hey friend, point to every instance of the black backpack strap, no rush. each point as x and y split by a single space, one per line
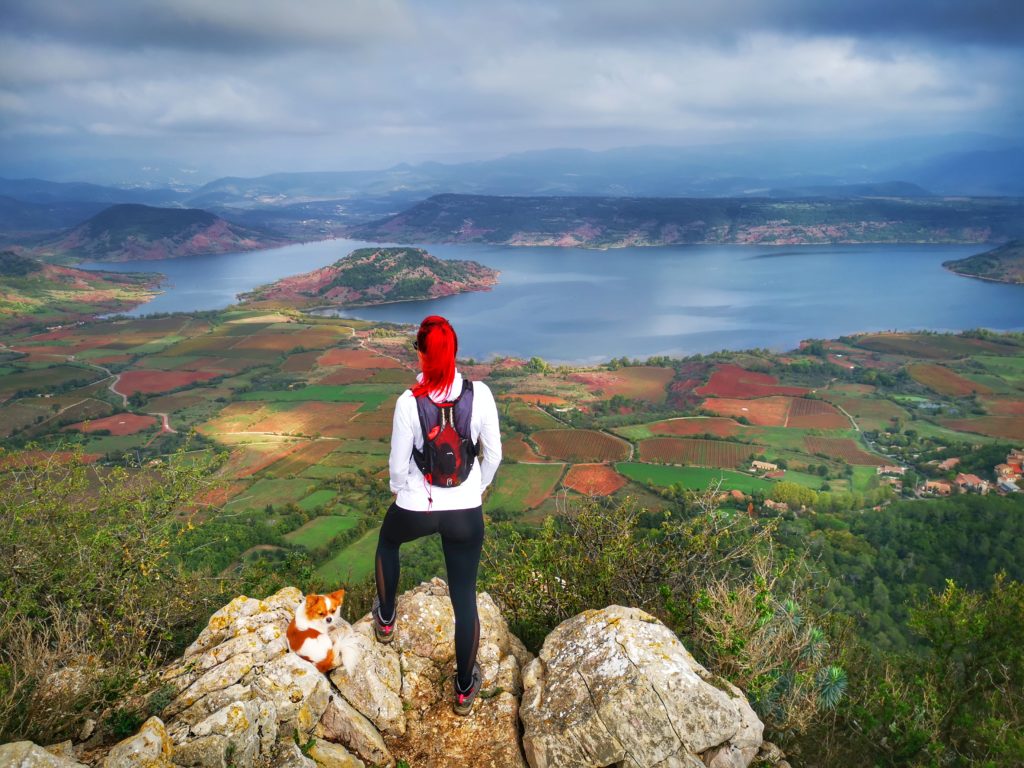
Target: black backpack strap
429 414
464 415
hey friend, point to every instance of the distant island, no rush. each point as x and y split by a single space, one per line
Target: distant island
378 276
1004 264
130 231
611 222
33 293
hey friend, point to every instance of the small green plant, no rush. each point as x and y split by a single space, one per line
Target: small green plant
124 722
305 747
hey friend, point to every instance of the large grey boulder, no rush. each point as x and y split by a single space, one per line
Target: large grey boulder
616 687
25 754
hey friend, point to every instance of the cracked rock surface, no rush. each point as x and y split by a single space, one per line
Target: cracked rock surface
615 687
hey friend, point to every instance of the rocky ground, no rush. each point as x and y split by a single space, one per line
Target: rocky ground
609 688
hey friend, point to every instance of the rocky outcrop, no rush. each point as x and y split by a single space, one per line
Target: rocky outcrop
616 687
610 688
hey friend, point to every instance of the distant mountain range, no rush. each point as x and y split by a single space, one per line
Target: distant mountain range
130 231
603 222
956 165
1004 264
377 276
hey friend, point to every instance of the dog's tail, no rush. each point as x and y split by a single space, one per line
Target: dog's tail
347 648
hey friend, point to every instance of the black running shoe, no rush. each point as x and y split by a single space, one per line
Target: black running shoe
383 631
463 702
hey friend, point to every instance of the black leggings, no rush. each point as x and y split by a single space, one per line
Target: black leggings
462 536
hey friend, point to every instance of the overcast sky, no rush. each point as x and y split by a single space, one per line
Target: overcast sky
202 88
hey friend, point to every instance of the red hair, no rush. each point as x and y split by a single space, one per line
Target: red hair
437 345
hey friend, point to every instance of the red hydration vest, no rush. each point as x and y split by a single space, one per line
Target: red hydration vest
448 449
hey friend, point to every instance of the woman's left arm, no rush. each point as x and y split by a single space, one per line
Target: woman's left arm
490 433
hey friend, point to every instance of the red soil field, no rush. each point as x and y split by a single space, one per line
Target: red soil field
699 453
856 389
815 414
158 381
762 412
841 448
301 362
119 424
580 445
733 381
107 359
1009 427
356 358
219 496
536 399
698 425
1004 407
640 382
593 479
517 449
370 426
247 461
944 381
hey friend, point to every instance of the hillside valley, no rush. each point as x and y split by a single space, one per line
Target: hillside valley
139 232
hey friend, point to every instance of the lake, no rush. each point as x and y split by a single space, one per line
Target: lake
578 305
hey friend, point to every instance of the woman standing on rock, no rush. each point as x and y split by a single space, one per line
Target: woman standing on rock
445 449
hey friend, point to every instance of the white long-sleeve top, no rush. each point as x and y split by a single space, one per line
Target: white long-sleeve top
412 489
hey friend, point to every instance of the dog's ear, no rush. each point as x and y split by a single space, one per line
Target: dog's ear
311 601
339 596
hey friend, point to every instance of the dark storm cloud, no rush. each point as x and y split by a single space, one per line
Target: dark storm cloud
209 25
248 86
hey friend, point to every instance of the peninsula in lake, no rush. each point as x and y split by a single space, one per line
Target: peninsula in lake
610 222
1004 264
370 276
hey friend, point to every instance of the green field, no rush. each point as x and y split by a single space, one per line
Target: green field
807 480
371 396
864 478
1010 368
352 564
317 499
321 529
697 478
519 487
270 491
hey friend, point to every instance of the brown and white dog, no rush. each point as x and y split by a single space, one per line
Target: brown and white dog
319 635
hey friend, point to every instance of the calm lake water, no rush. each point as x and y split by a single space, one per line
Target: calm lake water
577 305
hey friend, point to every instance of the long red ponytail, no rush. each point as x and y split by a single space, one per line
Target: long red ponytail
438 345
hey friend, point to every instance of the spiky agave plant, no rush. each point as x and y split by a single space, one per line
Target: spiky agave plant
832 683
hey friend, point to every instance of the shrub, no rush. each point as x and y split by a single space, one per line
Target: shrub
710 577
92 596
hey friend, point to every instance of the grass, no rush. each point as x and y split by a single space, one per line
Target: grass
354 563
519 487
697 478
803 478
270 491
369 395
317 499
863 478
321 529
